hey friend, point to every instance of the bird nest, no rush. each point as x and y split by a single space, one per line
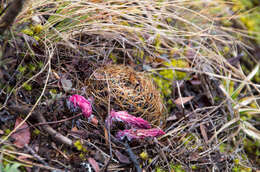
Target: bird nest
123 88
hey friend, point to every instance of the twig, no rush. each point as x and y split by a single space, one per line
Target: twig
108 109
133 157
104 168
35 155
40 118
52 122
37 101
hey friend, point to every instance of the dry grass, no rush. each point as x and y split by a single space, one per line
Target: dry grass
127 90
144 34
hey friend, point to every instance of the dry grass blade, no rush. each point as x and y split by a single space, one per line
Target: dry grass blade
250 130
115 51
226 125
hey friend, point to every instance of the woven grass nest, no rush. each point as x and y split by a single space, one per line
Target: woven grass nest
128 90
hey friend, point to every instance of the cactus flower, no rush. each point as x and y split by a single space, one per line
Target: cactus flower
130 120
82 103
138 134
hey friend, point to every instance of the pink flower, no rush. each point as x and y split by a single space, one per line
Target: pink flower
139 133
82 103
130 120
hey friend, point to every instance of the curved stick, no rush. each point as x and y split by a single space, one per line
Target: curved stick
40 118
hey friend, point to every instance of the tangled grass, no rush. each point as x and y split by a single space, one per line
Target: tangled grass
205 133
126 89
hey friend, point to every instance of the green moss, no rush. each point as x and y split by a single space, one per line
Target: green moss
7 131
32 67
251 16
239 168
36 131
223 147
169 75
22 69
27 87
40 65
194 167
28 32
37 38
226 49
9 89
79 146
177 75
10 167
124 23
189 141
236 161
252 148
37 28
177 167
82 156
158 169
113 57
144 155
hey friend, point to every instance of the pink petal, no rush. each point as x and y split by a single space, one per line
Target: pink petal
82 103
139 133
132 121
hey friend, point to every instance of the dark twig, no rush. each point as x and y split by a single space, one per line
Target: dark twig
133 157
35 155
106 164
12 11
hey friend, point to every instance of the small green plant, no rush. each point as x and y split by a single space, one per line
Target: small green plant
158 169
246 106
10 167
177 167
27 87
246 109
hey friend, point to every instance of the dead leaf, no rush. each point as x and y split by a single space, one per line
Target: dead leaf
122 158
22 136
203 132
106 135
55 75
183 100
74 129
94 164
66 84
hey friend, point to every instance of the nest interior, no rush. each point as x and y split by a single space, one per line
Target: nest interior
127 90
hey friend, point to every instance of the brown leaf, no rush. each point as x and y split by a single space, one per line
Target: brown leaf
22 136
106 135
203 132
74 129
94 164
122 158
183 100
